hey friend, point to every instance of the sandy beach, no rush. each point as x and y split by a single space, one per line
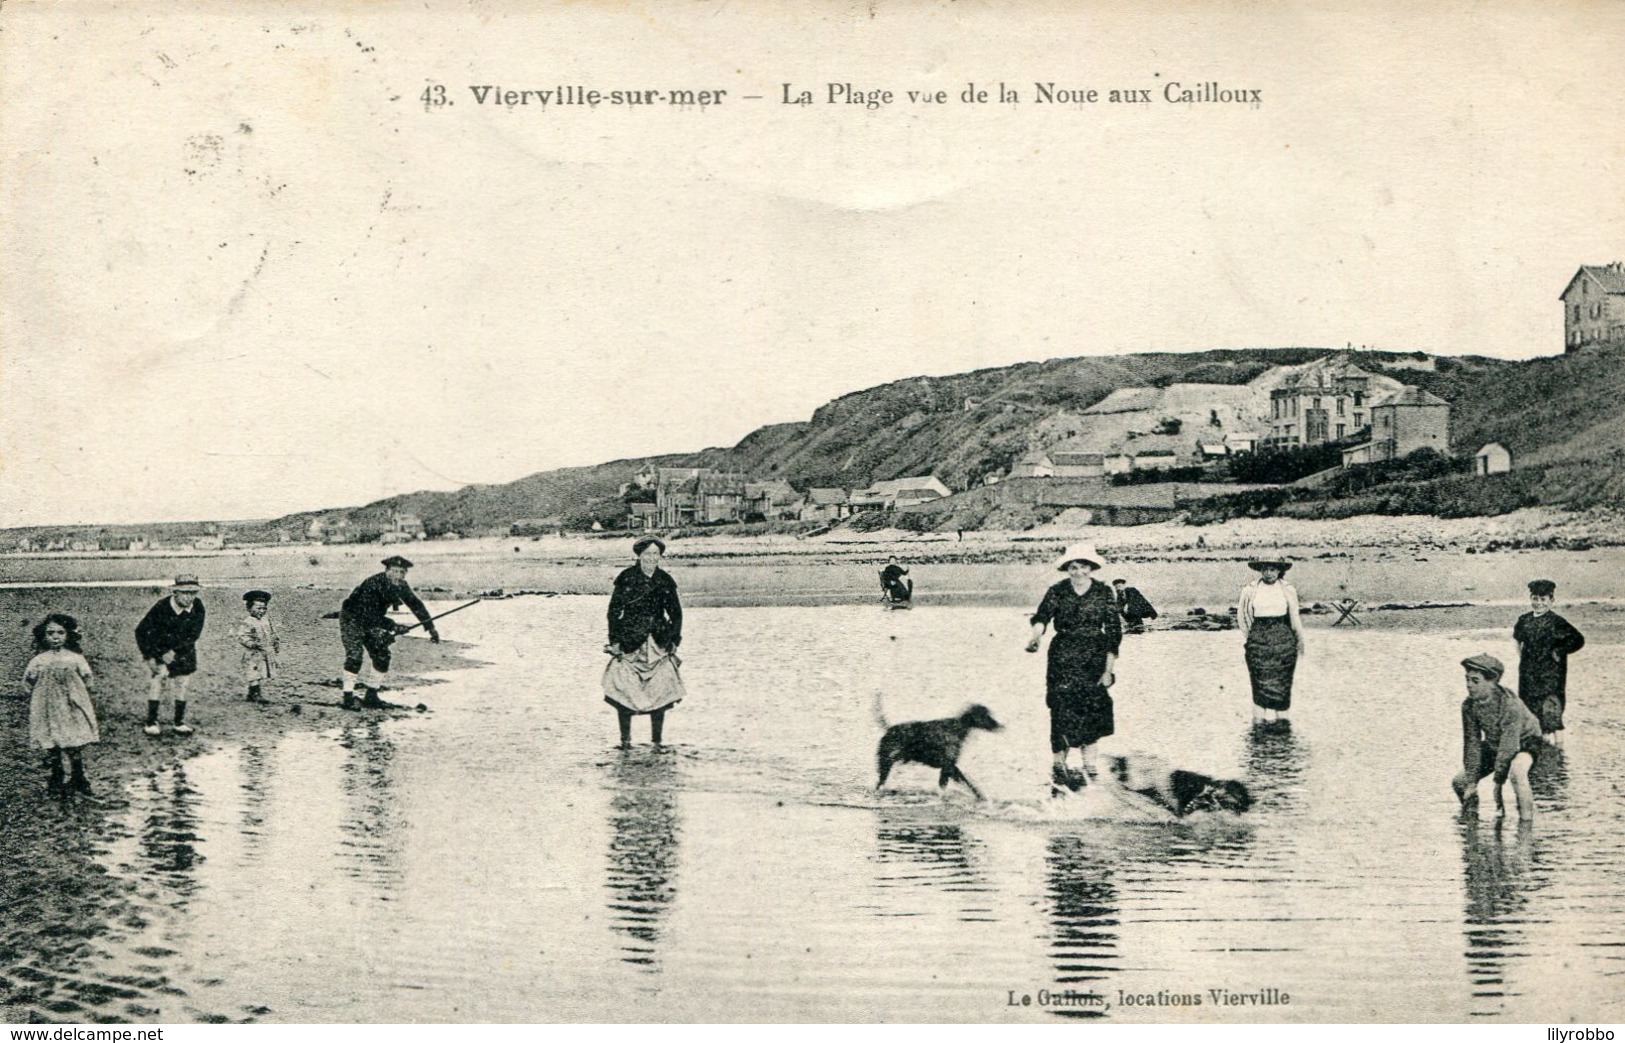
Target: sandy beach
57 848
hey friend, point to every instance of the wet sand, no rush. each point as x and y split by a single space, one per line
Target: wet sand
54 853
48 846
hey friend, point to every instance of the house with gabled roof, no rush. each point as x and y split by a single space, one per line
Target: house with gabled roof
1594 307
1402 423
690 496
826 505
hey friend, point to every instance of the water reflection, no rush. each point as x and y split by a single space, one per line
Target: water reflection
934 855
1549 780
642 867
1275 766
252 765
1500 882
373 824
1085 920
168 847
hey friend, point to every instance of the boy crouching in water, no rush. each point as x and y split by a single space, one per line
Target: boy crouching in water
1499 737
260 644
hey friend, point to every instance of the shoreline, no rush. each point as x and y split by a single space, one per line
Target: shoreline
58 893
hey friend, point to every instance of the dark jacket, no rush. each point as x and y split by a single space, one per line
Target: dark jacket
1087 629
1134 606
163 629
1541 676
643 607
1501 723
370 603
892 582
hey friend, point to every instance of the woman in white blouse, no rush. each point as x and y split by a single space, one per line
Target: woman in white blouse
1273 635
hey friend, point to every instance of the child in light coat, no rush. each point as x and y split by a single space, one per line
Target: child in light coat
260 643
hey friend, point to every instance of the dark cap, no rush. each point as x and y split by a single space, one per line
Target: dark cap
1486 664
395 561
646 542
1542 588
257 595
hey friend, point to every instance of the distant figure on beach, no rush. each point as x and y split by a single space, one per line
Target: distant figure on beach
61 717
167 637
1272 635
1132 606
895 585
258 637
1499 737
1082 655
645 628
365 627
1545 642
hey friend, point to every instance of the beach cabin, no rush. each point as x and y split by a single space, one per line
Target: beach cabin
1492 459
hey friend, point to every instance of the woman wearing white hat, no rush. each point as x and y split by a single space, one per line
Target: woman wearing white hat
1088 631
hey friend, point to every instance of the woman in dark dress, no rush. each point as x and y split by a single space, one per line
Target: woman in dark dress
1088 631
645 628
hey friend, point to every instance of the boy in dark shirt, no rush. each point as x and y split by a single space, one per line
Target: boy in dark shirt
365 627
167 637
1545 642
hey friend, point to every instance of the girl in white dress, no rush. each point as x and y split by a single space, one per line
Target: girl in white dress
61 718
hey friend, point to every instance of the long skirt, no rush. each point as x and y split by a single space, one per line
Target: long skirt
1272 656
1080 707
643 681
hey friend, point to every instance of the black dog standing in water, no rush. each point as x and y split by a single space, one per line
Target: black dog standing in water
936 744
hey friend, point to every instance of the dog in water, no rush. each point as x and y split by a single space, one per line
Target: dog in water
936 744
1179 791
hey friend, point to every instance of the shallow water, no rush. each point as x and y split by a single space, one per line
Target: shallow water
497 860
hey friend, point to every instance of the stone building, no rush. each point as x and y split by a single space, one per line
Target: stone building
1324 403
1401 424
1594 307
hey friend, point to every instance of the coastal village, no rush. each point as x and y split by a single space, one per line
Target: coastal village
1138 455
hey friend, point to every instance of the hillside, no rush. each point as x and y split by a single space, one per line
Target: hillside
1563 418
1551 412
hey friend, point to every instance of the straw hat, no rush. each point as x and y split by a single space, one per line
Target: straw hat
646 542
1278 566
1080 552
186 583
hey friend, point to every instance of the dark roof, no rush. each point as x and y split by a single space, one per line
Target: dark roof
1611 277
1412 396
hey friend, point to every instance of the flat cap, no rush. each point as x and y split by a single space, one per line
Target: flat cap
1485 664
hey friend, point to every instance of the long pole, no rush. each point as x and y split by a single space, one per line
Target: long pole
444 614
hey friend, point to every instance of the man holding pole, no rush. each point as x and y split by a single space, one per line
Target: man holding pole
365 626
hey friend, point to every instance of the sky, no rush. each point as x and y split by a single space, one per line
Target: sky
246 271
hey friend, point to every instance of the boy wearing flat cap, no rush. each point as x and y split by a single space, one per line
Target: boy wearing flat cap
167 637
1545 642
1499 737
365 626
260 643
